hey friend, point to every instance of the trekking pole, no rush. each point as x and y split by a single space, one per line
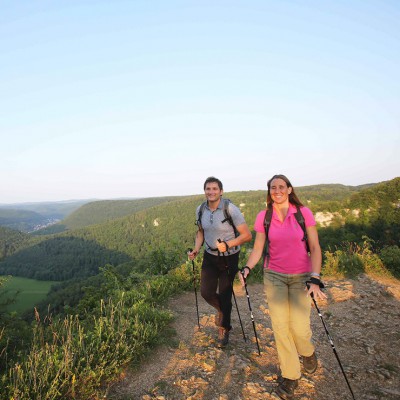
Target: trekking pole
195 292
251 310
233 292
331 341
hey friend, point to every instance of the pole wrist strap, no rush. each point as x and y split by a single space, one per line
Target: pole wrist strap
246 267
315 281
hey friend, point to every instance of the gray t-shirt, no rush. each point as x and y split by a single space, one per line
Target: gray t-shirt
215 229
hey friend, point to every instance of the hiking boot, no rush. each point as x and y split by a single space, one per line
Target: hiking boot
218 318
223 337
285 389
310 364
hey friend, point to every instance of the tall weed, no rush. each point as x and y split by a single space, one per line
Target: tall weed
72 359
75 357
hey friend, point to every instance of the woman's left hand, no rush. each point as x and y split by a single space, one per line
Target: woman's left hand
316 291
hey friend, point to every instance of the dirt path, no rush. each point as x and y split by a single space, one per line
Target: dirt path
362 316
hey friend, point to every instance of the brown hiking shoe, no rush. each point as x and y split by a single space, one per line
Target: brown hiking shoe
218 318
286 387
310 364
223 337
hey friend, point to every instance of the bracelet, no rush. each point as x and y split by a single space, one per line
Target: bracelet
315 274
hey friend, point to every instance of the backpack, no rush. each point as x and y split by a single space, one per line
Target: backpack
267 223
227 215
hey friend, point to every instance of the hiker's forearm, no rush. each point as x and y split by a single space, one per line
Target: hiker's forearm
315 250
257 251
244 236
199 240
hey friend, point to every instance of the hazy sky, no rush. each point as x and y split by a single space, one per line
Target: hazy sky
109 99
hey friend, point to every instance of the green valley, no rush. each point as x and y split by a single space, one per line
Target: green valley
27 292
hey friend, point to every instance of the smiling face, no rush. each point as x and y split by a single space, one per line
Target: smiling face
213 192
279 191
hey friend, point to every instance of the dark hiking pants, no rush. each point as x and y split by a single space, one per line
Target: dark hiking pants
216 283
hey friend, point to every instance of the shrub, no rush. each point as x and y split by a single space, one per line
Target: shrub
342 264
373 265
390 257
352 260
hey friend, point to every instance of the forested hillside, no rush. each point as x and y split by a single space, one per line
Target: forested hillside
376 197
328 198
373 212
166 227
169 228
21 220
120 240
98 212
12 240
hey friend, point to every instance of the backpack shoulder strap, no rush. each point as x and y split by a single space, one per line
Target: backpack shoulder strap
200 214
227 215
267 220
267 224
300 219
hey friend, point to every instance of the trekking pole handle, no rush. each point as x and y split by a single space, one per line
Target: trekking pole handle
190 250
226 245
242 277
242 272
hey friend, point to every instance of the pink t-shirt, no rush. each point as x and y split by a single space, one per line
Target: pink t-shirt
288 253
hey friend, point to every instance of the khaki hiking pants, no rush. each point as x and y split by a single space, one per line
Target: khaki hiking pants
289 308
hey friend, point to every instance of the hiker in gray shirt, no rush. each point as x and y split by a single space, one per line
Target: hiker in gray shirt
222 228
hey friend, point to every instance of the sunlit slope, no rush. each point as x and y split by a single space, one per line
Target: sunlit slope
97 212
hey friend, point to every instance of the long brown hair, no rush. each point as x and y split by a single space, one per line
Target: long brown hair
293 199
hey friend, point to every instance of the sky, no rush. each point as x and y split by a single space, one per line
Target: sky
119 99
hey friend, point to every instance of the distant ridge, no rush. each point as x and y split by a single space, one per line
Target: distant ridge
21 220
29 217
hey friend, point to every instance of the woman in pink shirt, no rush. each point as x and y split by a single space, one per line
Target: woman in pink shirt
286 269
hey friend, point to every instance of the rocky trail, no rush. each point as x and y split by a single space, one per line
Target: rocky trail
363 319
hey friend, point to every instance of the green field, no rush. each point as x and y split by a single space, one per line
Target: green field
31 292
